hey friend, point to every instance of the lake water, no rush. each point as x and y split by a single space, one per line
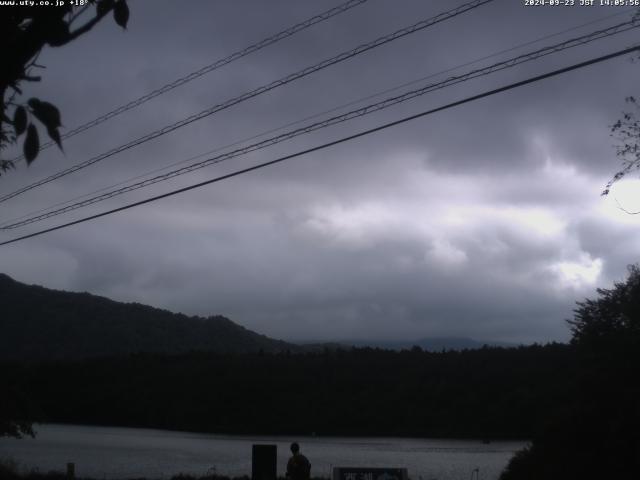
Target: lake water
103 452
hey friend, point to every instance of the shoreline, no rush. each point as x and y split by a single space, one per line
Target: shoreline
280 436
124 454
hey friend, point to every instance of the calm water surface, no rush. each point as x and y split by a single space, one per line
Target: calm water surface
103 452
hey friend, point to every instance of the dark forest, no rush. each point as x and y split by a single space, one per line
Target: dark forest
485 393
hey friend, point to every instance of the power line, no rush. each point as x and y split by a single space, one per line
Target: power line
338 119
375 107
265 88
209 68
316 115
335 142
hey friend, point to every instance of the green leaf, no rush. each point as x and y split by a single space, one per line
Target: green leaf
31 144
47 113
54 134
20 120
121 13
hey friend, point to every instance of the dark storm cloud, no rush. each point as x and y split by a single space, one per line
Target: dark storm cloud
482 221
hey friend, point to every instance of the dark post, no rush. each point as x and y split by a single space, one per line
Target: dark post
264 462
71 471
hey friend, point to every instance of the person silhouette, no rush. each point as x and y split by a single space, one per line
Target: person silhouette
298 466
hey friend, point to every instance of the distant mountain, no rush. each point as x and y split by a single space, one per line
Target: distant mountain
37 323
435 344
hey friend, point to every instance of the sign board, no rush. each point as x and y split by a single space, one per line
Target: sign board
364 473
264 462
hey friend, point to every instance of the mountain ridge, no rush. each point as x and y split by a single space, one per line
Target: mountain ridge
38 323
430 344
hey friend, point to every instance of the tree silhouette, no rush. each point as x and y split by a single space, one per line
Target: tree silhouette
627 132
598 435
613 317
17 412
24 32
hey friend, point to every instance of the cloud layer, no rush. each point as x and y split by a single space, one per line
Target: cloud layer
482 221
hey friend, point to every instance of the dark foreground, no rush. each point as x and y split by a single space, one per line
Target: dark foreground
7 472
492 393
578 402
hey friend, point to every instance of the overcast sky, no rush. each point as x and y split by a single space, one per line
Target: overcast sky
483 221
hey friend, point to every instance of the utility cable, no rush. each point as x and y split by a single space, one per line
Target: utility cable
335 142
315 115
265 88
207 69
375 107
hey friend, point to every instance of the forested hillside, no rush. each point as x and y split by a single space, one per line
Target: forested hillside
38 323
485 393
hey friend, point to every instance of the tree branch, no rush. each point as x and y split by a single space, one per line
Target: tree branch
79 12
87 26
31 78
